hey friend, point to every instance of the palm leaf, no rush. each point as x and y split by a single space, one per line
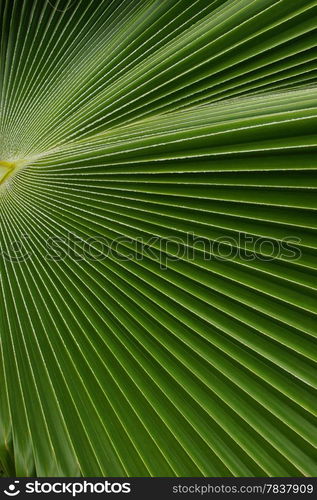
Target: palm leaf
158 238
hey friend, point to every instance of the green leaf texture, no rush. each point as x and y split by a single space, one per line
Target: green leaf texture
176 140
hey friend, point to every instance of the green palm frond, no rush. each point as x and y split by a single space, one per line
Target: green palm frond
158 237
